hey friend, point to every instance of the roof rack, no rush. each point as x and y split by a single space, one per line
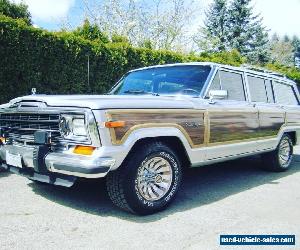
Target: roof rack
259 69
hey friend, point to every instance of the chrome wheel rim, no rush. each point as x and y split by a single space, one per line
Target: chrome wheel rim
285 152
154 178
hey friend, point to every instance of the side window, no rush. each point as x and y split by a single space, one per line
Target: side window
269 90
233 83
285 94
215 84
257 89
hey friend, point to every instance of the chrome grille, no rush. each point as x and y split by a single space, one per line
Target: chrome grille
21 126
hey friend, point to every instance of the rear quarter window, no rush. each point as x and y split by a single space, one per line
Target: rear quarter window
285 94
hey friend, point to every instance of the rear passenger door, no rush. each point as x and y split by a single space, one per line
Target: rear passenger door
271 114
232 121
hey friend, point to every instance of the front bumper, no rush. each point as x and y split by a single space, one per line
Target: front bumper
65 163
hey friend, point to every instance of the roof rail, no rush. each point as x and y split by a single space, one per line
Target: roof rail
260 69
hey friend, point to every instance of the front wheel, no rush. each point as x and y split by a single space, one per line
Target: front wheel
147 181
280 159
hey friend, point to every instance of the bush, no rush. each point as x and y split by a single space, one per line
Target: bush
14 10
56 63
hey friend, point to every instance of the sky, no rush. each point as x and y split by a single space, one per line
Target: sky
279 16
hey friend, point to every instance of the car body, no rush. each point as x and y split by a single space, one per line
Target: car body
194 113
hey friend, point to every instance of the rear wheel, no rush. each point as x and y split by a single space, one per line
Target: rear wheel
147 181
280 159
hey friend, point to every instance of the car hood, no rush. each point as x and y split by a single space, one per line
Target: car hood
110 101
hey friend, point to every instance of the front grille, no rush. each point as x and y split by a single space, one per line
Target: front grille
21 126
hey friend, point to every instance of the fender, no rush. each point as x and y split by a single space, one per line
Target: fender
152 132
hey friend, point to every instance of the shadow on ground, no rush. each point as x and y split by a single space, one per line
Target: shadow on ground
4 173
201 186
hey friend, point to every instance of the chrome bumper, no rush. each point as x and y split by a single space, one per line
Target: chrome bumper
65 163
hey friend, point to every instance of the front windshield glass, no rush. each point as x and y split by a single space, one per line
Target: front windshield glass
169 80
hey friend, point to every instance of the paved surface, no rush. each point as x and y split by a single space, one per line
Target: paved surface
236 197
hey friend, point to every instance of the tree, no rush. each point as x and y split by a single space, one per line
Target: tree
163 23
282 50
91 32
15 10
246 32
213 36
116 38
296 45
234 27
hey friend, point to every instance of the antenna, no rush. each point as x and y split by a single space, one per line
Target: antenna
88 72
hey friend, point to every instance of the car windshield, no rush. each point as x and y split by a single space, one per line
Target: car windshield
168 80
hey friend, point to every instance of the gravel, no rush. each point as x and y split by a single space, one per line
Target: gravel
229 198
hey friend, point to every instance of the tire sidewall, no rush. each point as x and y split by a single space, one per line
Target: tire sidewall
291 155
136 201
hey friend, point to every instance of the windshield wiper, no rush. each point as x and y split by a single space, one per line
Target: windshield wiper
139 92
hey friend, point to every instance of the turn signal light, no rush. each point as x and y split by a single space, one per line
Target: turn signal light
83 150
114 124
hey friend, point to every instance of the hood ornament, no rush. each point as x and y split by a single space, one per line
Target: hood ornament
33 91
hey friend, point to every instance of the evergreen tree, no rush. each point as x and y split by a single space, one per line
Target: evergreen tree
246 32
275 38
116 38
215 25
15 10
296 45
282 51
91 32
286 38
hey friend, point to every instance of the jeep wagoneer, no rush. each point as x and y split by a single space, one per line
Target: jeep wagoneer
154 122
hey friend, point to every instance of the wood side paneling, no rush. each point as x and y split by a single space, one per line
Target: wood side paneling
233 126
270 123
200 127
190 123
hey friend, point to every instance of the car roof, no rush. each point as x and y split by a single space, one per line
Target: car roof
245 68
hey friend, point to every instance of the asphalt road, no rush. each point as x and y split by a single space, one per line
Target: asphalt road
230 198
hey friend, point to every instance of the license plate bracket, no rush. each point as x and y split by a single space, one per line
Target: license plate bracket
13 160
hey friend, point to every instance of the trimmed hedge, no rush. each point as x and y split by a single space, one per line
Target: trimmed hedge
56 63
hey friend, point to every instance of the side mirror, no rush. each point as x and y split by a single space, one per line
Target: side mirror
217 95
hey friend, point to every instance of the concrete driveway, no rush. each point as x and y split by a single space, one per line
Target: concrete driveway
230 198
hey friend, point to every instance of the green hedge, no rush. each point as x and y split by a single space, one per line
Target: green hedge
57 62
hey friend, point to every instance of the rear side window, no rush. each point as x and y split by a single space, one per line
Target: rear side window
284 94
257 89
233 83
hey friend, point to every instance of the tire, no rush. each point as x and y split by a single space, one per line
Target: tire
147 181
2 169
280 159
